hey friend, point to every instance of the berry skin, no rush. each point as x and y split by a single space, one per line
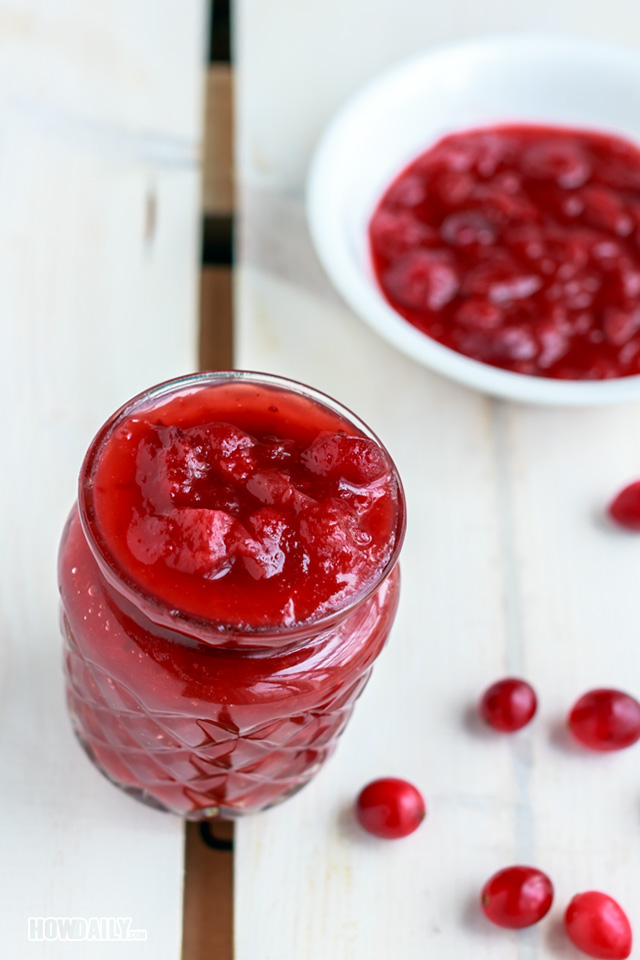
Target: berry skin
625 508
390 808
606 720
517 897
509 705
599 926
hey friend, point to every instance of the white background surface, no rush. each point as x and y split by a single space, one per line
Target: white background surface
509 566
100 115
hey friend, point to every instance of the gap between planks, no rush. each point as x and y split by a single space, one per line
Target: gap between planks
208 885
217 163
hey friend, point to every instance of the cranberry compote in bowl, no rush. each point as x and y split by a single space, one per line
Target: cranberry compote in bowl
228 578
479 207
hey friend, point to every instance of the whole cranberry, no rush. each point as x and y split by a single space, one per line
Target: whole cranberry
599 926
517 897
606 720
509 705
625 508
390 808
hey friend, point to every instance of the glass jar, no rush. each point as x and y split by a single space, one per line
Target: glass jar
194 714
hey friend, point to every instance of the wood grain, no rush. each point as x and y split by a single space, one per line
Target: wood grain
100 108
217 165
216 311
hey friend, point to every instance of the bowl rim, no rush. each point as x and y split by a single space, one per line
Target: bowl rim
364 297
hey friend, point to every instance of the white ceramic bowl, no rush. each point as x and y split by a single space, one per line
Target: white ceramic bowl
538 79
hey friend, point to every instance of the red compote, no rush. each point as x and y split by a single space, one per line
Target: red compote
519 246
228 579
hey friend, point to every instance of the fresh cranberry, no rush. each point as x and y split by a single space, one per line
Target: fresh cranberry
509 705
599 926
390 808
606 720
517 897
625 509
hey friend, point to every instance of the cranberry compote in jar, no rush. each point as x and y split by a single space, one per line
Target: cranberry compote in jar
228 577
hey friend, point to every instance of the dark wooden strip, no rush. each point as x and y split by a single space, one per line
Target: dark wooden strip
216 318
208 897
217 160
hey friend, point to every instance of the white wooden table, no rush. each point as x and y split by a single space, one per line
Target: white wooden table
100 115
508 567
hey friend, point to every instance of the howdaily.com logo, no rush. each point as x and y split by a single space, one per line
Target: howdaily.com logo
83 928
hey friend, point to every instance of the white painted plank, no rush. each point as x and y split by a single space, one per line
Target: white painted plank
508 565
298 61
99 196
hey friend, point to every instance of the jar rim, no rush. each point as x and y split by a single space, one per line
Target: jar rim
211 630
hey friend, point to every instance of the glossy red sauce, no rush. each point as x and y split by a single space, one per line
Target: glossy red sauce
245 504
519 246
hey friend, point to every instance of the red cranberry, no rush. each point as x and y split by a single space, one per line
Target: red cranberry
625 509
517 897
468 228
553 342
599 926
503 201
454 188
423 279
406 192
509 705
606 720
479 314
557 160
514 343
396 233
500 279
606 210
390 808
620 325
354 459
